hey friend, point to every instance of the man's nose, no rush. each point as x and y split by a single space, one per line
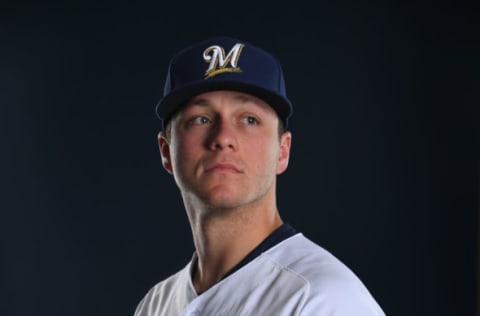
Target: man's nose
223 136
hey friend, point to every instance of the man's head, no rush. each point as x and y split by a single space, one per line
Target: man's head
225 111
223 63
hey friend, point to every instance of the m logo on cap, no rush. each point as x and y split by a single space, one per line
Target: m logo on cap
219 63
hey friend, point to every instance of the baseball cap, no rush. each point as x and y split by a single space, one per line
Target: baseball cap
224 63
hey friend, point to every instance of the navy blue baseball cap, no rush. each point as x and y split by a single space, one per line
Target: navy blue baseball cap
224 63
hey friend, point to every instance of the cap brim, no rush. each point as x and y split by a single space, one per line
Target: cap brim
170 104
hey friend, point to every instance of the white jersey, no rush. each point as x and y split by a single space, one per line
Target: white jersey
294 277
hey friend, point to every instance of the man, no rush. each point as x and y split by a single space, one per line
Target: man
225 139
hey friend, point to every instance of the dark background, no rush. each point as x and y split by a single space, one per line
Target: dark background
384 171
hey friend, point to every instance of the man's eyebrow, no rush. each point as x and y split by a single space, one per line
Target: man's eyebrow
198 101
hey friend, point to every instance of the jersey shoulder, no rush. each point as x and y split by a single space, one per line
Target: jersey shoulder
331 285
173 292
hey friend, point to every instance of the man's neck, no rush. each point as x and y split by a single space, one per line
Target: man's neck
223 241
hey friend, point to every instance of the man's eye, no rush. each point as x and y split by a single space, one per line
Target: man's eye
250 120
200 120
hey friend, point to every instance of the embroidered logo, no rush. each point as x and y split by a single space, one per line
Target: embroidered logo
219 63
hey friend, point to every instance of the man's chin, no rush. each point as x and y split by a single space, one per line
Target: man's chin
222 201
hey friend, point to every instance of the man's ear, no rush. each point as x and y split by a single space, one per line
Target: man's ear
164 147
283 158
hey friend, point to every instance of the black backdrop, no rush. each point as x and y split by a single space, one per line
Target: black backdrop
384 170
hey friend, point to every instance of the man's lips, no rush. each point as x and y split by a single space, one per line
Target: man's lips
222 167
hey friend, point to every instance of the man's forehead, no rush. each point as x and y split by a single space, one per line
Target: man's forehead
234 97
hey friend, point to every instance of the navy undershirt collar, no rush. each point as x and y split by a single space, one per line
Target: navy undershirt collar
283 232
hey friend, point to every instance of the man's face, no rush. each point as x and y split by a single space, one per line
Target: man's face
224 149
